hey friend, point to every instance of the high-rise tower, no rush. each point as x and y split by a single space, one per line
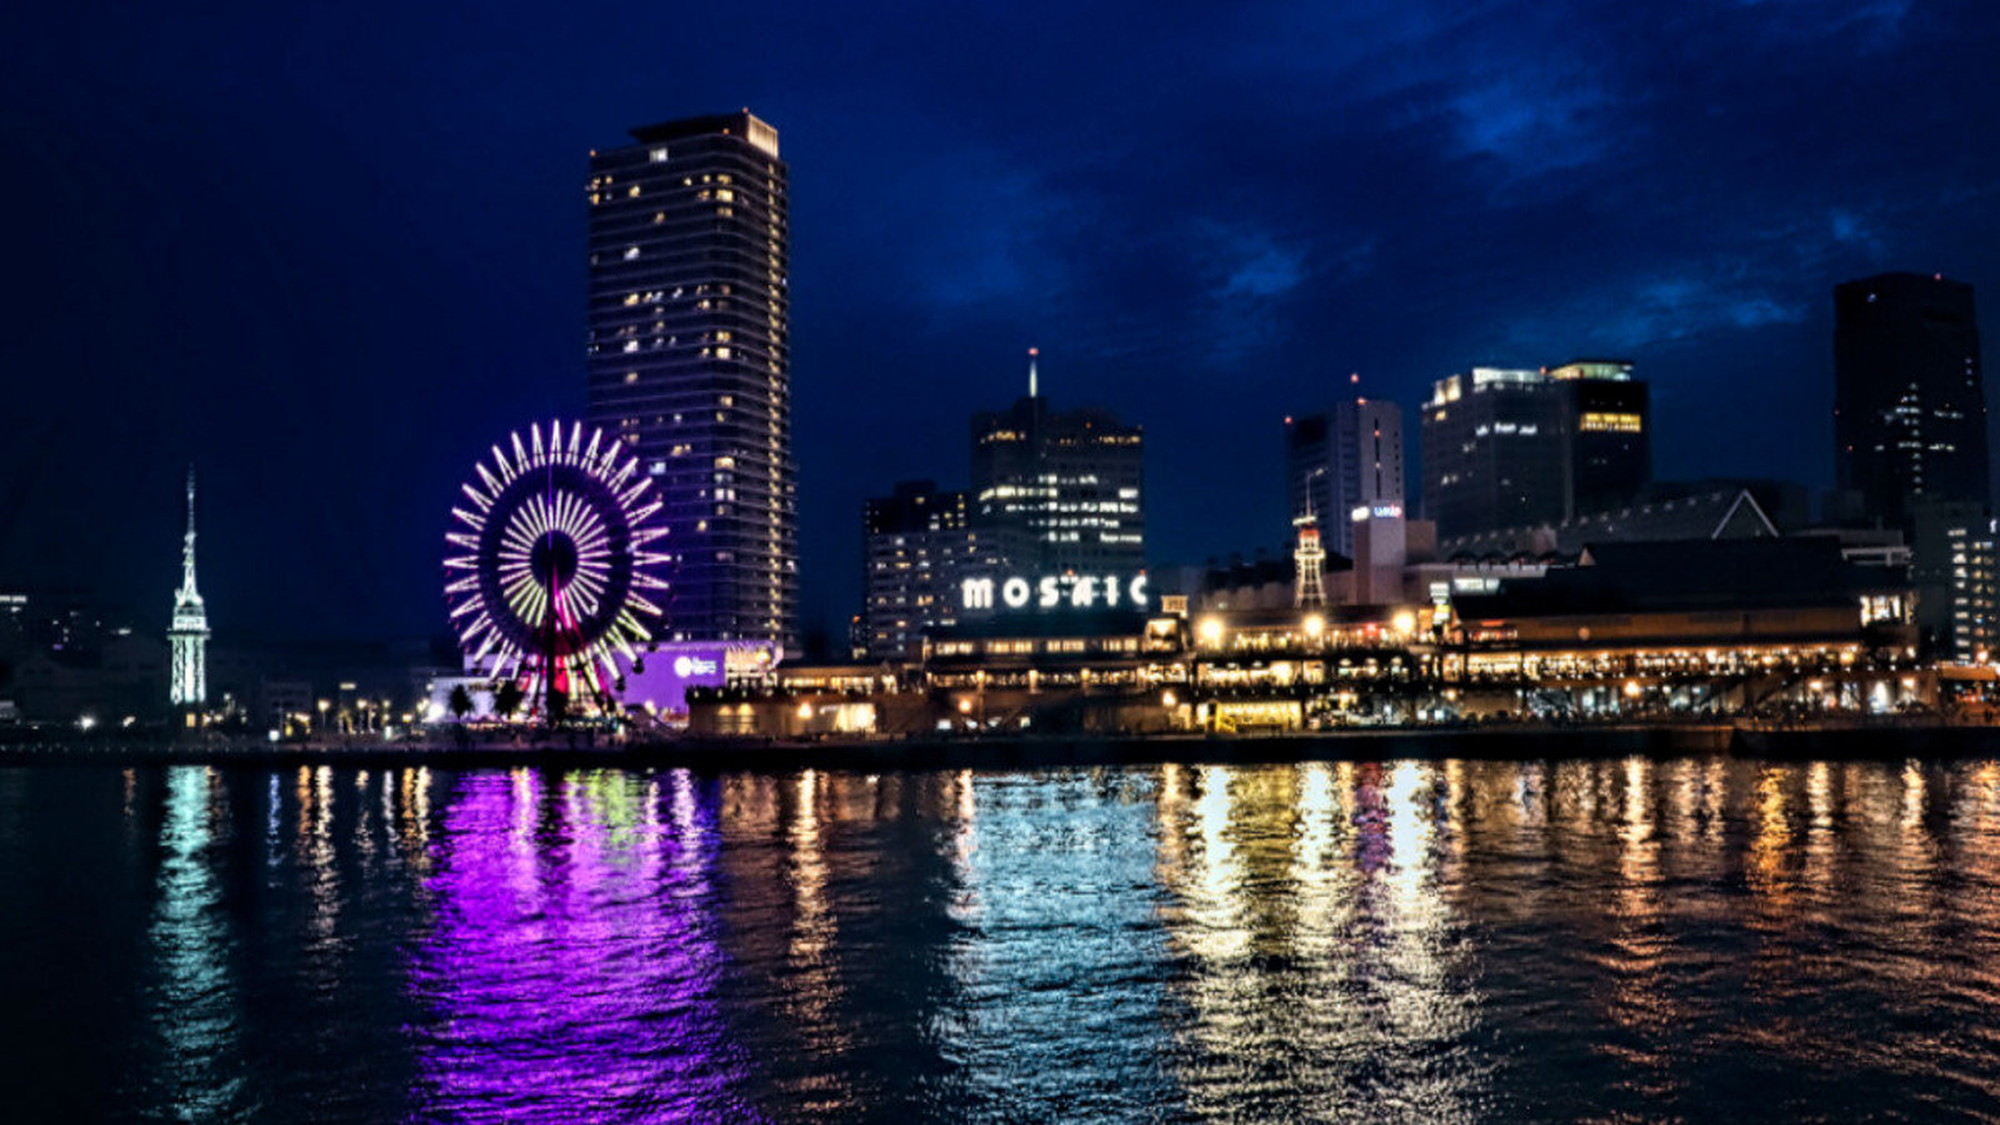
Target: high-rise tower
1509 448
1909 410
689 350
189 634
1060 492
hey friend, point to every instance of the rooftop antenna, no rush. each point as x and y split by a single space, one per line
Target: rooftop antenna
1034 387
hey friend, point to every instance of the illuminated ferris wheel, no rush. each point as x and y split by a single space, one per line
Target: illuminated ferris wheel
549 572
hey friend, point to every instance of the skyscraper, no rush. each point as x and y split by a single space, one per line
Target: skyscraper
1608 424
689 355
1493 451
1522 447
1909 409
188 636
1336 462
1060 492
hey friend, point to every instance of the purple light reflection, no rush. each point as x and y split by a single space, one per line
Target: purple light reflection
572 968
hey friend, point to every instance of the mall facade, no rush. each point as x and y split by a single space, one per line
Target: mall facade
1686 630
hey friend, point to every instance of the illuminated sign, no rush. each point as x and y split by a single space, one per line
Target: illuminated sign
687 666
661 679
1378 512
1068 591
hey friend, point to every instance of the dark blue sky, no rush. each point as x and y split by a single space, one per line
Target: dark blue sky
333 251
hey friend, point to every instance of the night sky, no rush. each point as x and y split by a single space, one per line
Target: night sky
331 252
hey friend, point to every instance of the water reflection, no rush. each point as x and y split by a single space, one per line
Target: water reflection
572 965
1057 995
1620 939
1328 977
194 1006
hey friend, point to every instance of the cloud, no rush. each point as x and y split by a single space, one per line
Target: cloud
1873 24
1644 314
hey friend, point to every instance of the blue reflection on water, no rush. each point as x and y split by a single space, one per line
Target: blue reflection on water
194 1005
1061 966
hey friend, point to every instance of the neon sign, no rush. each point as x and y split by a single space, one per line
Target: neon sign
1068 591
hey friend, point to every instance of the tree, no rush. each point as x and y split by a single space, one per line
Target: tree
461 702
507 699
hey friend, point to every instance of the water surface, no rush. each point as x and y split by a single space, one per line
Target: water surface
1588 940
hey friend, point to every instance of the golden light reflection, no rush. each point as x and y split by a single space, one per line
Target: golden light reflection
1770 837
815 991
1817 871
413 827
1317 884
1639 948
319 855
364 821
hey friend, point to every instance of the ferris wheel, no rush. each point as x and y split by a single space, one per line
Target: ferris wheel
550 574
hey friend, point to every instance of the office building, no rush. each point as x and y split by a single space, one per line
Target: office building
689 357
1909 406
917 543
1493 451
1522 447
1952 568
1060 492
1610 438
1346 459
1975 598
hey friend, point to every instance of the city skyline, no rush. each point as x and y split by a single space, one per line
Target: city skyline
340 370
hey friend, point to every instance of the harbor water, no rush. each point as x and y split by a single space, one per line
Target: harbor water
1624 939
